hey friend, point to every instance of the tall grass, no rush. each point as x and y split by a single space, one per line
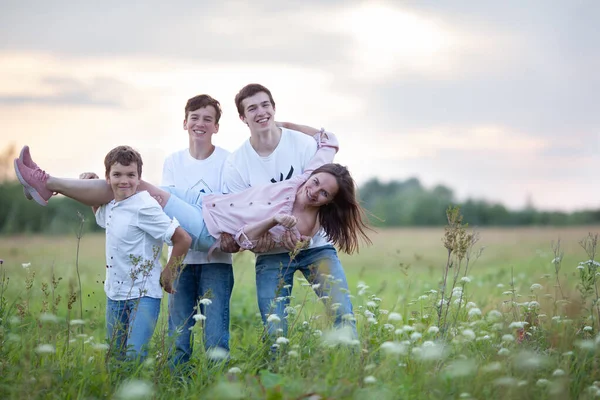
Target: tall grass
436 320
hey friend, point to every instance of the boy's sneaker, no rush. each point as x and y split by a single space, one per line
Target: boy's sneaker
34 181
25 157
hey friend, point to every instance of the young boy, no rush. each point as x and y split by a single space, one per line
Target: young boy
136 228
200 167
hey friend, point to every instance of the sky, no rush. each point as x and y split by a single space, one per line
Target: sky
493 99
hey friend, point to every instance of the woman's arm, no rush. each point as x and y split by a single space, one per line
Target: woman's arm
307 130
249 234
181 244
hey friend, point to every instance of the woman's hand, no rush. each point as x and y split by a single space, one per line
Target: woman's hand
285 220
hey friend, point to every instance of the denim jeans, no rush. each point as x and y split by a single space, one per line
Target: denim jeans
320 266
186 207
130 325
194 282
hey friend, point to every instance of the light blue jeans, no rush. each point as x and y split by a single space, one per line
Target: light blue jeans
186 207
130 325
194 282
321 267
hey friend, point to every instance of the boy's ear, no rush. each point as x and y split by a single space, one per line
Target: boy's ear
185 124
216 128
243 119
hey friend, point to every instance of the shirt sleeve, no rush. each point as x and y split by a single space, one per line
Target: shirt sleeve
153 220
327 146
168 178
232 179
101 216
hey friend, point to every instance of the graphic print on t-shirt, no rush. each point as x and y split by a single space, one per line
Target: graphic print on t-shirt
201 186
281 179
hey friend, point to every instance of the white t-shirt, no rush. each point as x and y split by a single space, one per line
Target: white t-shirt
183 171
245 168
135 231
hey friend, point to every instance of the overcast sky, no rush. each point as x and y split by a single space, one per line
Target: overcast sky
494 99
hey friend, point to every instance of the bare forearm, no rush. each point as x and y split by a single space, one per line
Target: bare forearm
181 245
258 229
308 130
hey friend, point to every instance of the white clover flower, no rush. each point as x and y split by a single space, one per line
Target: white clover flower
199 317
384 312
45 349
371 304
273 318
536 286
377 299
372 320
465 279
500 285
542 382
134 389
26 265
282 340
533 305
474 312
206 302
494 315
234 370
342 336
415 336
588 328
369 314
394 316
293 353
217 353
370 379
433 330
558 372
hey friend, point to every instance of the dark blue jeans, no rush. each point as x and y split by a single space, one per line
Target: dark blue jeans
194 283
320 266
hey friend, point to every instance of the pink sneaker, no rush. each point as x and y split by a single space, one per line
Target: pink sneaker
25 157
34 181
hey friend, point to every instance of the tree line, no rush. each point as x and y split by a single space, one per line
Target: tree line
393 204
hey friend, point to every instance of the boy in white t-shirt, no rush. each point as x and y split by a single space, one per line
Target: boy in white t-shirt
203 287
136 228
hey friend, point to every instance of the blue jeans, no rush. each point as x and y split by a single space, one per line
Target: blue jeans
186 207
130 325
194 282
275 280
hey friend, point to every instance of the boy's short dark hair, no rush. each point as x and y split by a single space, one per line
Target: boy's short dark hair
248 91
123 155
201 101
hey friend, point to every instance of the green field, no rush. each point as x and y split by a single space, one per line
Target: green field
476 354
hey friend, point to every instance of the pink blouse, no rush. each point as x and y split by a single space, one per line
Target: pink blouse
230 213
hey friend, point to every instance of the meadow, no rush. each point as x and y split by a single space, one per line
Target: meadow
441 314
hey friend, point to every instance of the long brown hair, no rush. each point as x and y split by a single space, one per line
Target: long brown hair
343 220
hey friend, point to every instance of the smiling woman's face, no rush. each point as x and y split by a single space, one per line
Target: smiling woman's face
320 189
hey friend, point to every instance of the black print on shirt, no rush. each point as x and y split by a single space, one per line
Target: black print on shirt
289 175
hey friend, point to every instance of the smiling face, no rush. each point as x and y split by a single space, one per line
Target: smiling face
259 112
201 124
123 180
320 189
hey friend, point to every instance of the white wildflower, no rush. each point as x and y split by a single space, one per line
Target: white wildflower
234 370
558 372
316 286
433 330
282 340
370 379
342 336
394 348
415 336
292 353
217 353
465 279
199 317
588 328
371 304
273 318
47 317
474 312
45 349
394 316
536 286
518 324
206 302
542 382
468 334
26 265
100 346
503 351
76 322
134 389
492 367
508 338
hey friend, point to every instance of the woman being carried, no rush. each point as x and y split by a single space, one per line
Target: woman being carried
323 197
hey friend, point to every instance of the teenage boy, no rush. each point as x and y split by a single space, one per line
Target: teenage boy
273 154
203 287
136 228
